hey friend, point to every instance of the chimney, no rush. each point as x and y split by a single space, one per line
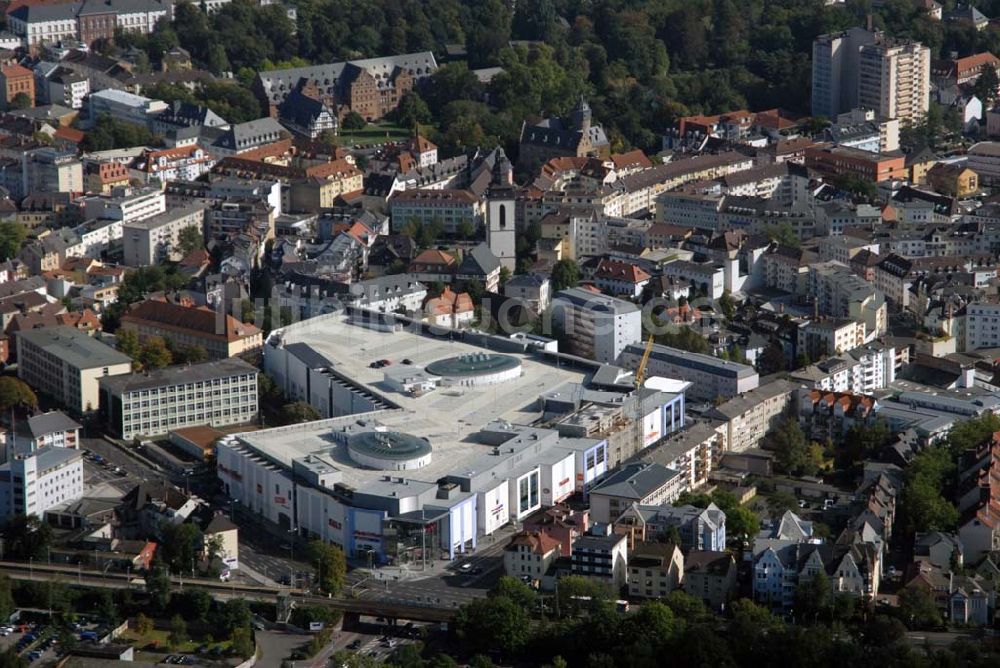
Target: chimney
868 18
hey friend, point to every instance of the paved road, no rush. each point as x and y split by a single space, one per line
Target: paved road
116 456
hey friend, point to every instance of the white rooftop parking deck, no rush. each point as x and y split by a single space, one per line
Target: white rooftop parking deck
350 349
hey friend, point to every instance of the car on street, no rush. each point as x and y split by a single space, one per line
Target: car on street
802 503
354 644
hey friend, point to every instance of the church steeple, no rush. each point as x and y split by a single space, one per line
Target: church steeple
581 115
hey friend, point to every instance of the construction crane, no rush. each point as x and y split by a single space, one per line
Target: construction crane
640 372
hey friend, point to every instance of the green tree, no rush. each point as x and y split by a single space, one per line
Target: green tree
353 121
791 449
26 537
813 596
128 342
10 658
15 393
178 631
917 609
12 236
234 614
493 623
742 523
779 502
143 624
465 229
181 545
241 642
297 412
517 591
924 504
971 433
331 565
190 239
727 305
412 111
6 598
192 604
784 234
565 274
158 586
986 85
154 353
21 101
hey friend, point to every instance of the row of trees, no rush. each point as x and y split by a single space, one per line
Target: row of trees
830 630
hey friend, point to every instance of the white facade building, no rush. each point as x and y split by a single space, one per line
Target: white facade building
156 239
31 484
598 327
218 393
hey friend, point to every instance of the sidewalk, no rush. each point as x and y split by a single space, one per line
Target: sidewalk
259 577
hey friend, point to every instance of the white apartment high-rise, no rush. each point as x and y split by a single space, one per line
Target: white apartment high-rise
835 71
894 80
597 326
859 68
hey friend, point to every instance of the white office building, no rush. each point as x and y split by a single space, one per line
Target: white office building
219 393
31 484
597 326
67 364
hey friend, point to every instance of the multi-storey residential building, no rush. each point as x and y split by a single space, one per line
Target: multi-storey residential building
16 80
67 364
529 555
711 576
835 71
219 393
708 277
654 570
452 208
219 334
982 325
227 218
699 528
840 293
31 484
155 240
534 289
710 377
603 557
829 336
643 484
101 178
894 80
51 170
863 370
53 429
749 417
597 327
62 86
126 205
182 163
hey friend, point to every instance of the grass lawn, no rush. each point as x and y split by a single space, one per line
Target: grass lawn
156 640
373 134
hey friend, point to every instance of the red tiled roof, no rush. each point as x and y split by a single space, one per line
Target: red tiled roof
635 158
622 271
540 543
70 134
203 321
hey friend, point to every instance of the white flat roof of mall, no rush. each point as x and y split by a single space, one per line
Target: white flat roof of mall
446 417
